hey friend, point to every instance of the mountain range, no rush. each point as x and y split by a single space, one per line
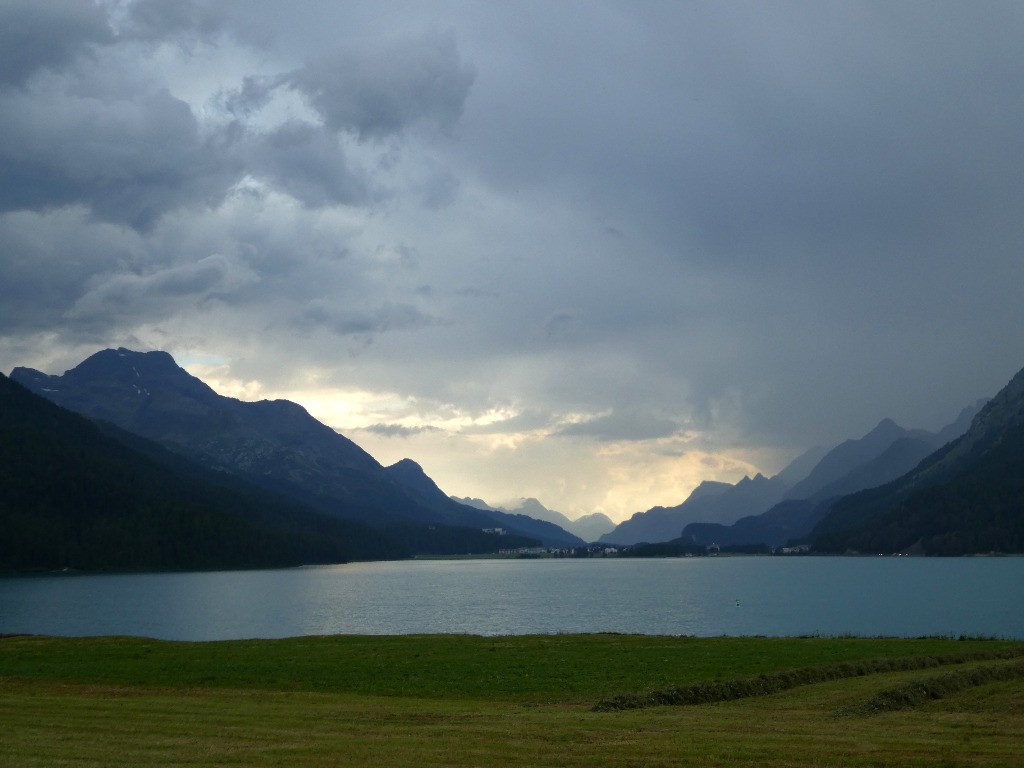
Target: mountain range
967 497
774 510
964 497
76 494
128 461
722 503
278 447
589 527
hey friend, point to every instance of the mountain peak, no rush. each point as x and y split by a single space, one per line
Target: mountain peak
708 488
410 474
885 426
276 444
531 506
115 359
149 394
964 497
137 373
407 466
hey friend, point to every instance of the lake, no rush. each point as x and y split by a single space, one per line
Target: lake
708 596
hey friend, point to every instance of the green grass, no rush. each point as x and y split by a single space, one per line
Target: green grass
765 684
463 700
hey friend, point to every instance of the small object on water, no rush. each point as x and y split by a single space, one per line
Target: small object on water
737 603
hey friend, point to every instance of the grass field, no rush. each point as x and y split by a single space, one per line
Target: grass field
517 701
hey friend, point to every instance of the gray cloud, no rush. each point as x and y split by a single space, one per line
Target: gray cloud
526 420
48 261
630 423
36 36
348 320
254 94
113 301
129 157
307 162
652 228
396 430
158 20
382 89
130 151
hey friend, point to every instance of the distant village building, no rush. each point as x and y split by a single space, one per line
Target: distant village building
799 549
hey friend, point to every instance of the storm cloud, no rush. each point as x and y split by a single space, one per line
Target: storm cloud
47 36
589 252
378 91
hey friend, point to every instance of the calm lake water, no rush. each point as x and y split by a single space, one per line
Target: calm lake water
688 596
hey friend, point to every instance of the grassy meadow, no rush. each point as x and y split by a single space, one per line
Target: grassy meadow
511 701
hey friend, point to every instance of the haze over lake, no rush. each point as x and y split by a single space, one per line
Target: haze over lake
687 596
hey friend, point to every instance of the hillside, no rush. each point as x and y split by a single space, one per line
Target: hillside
714 502
966 497
276 445
886 452
73 497
849 456
789 519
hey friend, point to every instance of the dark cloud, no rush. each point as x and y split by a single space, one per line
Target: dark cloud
48 261
158 20
87 131
129 150
346 319
307 162
254 94
129 157
628 423
125 299
396 430
47 35
383 89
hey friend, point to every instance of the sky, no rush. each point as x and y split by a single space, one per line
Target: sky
590 252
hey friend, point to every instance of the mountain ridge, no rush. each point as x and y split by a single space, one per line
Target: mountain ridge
774 510
884 453
711 500
976 480
84 495
274 444
586 528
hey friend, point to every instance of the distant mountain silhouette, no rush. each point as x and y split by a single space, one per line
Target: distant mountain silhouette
849 457
82 496
592 527
789 519
884 453
966 497
584 530
549 534
711 501
274 444
165 456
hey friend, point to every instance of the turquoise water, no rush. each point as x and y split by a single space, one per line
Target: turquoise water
687 596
